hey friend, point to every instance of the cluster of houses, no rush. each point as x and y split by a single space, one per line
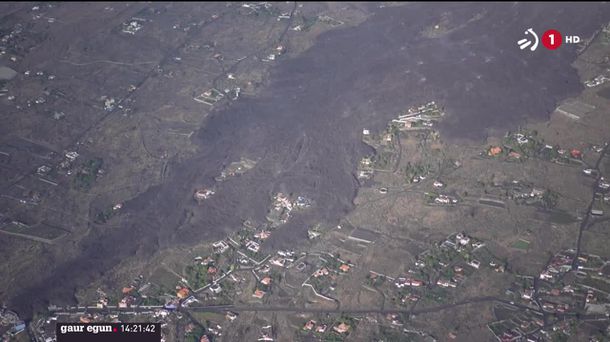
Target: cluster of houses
210 97
415 118
277 51
128 299
323 280
523 144
408 281
266 333
420 117
236 168
521 326
282 207
603 184
203 194
132 26
445 266
312 325
560 263
445 200
520 191
10 324
283 258
365 168
583 290
263 283
563 290
598 80
526 193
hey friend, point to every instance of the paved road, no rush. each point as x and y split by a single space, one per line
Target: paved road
585 223
254 308
376 310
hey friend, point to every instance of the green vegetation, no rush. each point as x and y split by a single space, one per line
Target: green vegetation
104 215
333 337
559 337
550 199
205 317
436 295
197 275
308 22
194 335
521 244
270 11
411 171
88 173
389 334
384 160
333 264
151 301
376 281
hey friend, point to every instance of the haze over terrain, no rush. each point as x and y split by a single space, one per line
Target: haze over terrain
305 126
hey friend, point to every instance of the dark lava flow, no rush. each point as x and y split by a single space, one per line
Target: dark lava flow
306 126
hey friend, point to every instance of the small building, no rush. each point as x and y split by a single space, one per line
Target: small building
494 151
220 246
416 283
321 272
189 300
309 325
231 316
312 234
442 199
258 294
203 194
262 235
546 275
402 282
514 155
475 263
341 328
576 154
462 239
182 293
363 235
278 261
266 280
252 246
17 328
344 268
216 288
443 283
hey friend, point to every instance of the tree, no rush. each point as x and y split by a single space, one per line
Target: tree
550 199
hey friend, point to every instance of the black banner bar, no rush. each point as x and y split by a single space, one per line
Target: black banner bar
108 332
